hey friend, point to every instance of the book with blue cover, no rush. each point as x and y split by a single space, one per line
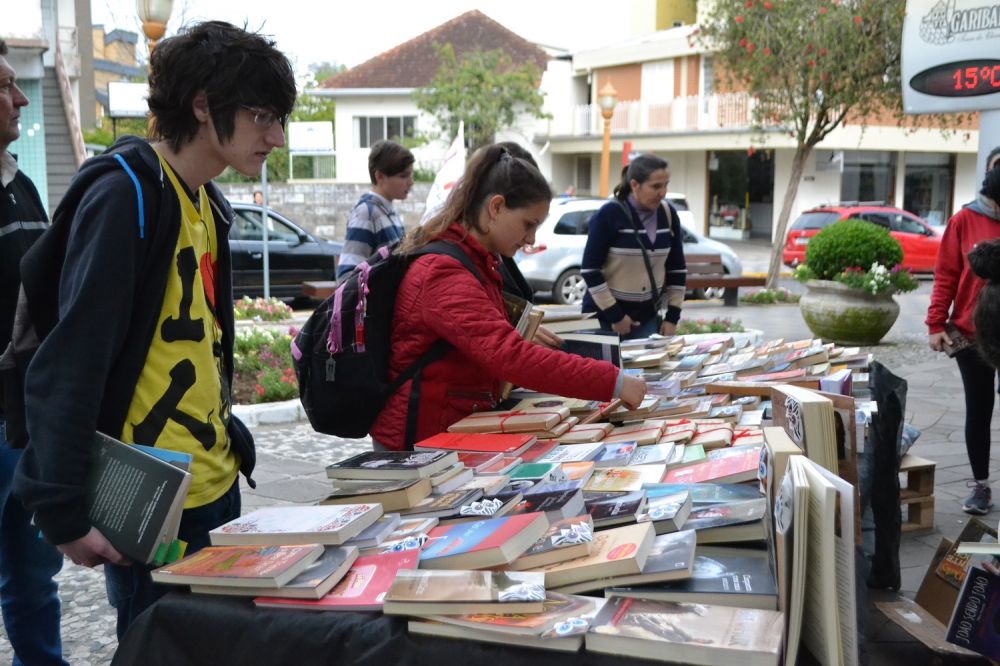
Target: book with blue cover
482 543
975 622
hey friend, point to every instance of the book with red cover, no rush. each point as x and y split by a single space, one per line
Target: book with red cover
477 460
507 444
241 566
733 468
537 449
483 543
362 589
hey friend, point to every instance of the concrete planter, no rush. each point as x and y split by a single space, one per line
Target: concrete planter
848 316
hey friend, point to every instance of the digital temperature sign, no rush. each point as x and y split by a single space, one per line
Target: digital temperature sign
951 56
965 78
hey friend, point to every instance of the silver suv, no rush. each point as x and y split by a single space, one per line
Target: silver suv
553 263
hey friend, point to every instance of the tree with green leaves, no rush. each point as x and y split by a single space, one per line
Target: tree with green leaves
808 64
485 89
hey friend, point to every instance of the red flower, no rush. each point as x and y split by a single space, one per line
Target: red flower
811 62
857 20
768 6
750 47
822 10
259 389
749 4
739 19
743 42
822 52
767 50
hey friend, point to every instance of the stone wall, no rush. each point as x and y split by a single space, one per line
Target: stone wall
322 208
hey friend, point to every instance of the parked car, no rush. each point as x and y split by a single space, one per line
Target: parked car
294 254
920 241
552 264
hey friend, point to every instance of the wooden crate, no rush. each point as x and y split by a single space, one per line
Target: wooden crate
918 513
919 477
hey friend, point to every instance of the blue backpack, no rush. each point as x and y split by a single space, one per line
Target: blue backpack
341 355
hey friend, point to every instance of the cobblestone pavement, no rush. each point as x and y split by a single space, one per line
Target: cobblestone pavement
291 459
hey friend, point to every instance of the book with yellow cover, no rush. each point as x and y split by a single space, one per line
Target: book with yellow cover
240 566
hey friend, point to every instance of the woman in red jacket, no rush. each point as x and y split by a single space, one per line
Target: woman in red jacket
956 288
494 210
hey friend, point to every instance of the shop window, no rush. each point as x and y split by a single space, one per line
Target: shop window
928 185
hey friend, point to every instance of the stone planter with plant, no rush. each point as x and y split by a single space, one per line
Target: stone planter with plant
852 270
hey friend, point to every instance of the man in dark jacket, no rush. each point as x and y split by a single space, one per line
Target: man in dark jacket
28 595
140 346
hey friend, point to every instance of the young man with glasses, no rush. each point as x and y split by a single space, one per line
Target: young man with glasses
141 342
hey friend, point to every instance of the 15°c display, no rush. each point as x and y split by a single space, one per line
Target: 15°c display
964 78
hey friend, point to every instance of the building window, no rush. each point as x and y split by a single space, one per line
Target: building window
928 184
370 129
583 184
868 176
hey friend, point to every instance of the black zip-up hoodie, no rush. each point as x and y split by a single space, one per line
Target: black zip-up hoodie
95 287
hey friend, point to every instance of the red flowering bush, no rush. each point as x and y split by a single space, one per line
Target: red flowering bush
262 360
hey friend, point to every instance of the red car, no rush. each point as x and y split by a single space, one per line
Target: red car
919 240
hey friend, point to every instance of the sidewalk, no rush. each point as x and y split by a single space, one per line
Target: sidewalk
291 460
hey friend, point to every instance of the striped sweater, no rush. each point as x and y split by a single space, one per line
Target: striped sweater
372 224
616 276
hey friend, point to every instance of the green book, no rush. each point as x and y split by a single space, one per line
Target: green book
538 472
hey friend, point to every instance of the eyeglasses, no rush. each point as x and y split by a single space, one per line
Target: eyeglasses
265 119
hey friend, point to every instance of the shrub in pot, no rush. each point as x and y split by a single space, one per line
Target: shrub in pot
852 270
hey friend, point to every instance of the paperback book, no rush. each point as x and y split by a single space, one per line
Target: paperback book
312 583
482 543
434 592
391 465
324 524
240 566
565 539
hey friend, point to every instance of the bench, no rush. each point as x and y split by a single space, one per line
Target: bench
319 289
706 270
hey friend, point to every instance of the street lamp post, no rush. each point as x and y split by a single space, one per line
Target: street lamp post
608 97
154 15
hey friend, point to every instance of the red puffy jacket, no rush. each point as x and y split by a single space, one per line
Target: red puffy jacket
440 298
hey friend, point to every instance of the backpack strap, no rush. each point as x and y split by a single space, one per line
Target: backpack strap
138 194
436 351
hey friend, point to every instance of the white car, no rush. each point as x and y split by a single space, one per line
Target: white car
552 264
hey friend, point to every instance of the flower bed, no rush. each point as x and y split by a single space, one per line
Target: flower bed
717 325
261 309
769 296
262 360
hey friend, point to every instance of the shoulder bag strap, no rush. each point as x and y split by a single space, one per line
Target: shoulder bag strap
654 292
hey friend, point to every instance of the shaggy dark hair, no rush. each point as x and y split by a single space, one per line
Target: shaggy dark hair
984 260
235 68
390 158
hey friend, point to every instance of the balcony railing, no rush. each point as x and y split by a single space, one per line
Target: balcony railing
682 114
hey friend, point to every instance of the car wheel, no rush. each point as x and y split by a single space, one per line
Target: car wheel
569 288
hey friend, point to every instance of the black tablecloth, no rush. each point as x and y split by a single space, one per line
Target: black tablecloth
189 629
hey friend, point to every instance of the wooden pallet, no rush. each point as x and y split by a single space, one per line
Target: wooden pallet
916 496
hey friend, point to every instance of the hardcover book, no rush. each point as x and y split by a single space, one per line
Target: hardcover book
362 589
737 577
391 465
240 566
433 592
482 543
324 524
688 633
135 499
315 581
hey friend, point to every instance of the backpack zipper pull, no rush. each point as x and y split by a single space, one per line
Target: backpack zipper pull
13 201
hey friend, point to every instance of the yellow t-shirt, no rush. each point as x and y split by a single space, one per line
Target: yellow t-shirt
181 401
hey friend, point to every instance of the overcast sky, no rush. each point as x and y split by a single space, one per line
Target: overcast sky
349 32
